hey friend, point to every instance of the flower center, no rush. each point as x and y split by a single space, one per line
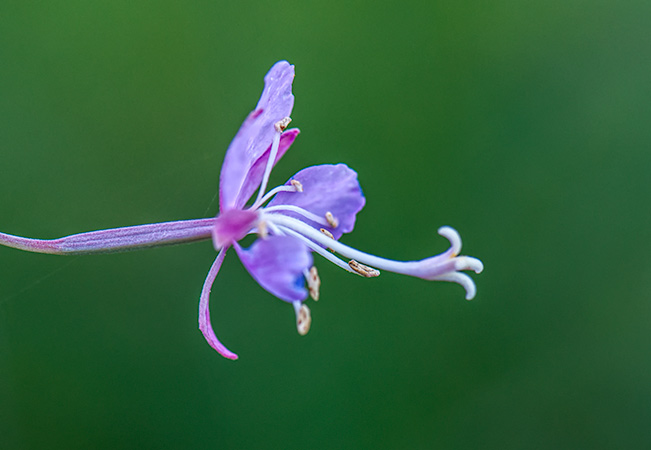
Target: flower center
232 225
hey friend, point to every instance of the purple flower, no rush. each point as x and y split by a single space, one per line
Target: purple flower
306 215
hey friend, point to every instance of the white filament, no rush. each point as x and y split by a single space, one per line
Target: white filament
318 249
349 252
298 210
270 163
271 193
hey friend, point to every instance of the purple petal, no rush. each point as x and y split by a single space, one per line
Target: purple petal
277 263
255 136
254 177
204 312
328 187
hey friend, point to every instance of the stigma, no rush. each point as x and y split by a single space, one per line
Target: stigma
447 266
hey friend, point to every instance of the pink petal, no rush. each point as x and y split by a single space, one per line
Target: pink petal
255 136
231 226
277 263
204 312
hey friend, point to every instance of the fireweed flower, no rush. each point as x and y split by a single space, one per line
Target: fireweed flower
306 215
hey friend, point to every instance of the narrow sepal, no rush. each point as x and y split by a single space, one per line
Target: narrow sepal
204 311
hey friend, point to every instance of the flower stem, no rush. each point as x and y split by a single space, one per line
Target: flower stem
116 239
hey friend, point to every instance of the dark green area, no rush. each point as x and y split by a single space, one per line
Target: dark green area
525 125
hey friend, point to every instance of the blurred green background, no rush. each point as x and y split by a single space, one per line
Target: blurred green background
525 125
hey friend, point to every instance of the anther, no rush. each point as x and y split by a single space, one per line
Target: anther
332 220
282 124
329 234
303 320
313 283
297 185
363 270
263 231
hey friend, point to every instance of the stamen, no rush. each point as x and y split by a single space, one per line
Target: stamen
363 270
303 318
334 223
274 229
282 124
329 234
298 210
271 193
297 184
263 231
314 247
272 158
313 283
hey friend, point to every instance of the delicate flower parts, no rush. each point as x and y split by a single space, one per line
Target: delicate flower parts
306 215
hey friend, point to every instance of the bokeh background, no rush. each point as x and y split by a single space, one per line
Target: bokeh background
525 125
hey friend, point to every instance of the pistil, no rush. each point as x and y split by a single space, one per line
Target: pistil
444 267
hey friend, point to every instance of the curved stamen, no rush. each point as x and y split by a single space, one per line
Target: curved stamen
271 193
277 231
279 128
270 162
318 249
298 210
